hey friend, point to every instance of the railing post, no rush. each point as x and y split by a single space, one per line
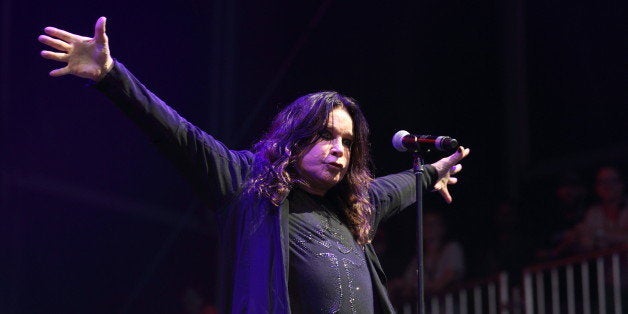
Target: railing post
540 292
601 288
434 305
503 293
492 299
528 294
477 299
449 304
616 285
555 291
463 301
586 294
571 298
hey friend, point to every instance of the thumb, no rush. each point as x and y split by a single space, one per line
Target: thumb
458 155
100 29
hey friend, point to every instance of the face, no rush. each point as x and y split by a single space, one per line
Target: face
608 185
327 160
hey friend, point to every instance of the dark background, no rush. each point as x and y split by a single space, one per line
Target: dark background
95 220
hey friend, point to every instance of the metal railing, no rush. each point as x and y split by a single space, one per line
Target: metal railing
595 282
490 295
588 283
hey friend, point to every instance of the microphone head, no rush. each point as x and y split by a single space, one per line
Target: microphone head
453 144
446 143
397 140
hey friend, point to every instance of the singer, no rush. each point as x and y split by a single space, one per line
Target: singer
297 213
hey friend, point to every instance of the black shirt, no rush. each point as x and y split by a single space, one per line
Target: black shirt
328 271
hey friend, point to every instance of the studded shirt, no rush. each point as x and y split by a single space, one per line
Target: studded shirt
328 271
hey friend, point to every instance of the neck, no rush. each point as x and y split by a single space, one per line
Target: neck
310 189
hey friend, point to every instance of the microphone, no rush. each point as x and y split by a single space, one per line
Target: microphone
402 141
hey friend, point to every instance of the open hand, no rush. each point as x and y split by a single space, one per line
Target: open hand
446 167
85 57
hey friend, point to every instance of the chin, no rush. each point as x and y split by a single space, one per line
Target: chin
330 184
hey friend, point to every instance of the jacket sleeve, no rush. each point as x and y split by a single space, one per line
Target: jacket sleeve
215 171
392 193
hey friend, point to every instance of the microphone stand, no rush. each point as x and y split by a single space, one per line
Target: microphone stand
418 173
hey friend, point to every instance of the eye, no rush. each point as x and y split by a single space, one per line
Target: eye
326 135
347 142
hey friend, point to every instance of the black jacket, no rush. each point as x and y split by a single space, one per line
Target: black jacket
254 259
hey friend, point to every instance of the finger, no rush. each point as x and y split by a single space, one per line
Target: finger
60 72
451 160
56 56
100 29
459 154
54 43
438 186
455 169
444 192
61 34
452 180
464 152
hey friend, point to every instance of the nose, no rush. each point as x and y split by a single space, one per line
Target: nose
336 148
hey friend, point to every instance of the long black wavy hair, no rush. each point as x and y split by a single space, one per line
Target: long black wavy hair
292 133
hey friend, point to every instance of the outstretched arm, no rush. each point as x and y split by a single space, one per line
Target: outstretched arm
392 193
213 169
85 57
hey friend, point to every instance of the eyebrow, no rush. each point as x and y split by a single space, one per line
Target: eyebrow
349 134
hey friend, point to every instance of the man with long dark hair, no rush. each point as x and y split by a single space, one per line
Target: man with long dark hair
297 213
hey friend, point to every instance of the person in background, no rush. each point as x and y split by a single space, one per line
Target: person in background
444 264
605 223
564 213
507 248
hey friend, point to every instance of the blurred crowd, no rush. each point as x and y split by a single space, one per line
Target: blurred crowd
578 227
579 216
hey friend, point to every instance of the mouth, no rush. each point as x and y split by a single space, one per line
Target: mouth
335 165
